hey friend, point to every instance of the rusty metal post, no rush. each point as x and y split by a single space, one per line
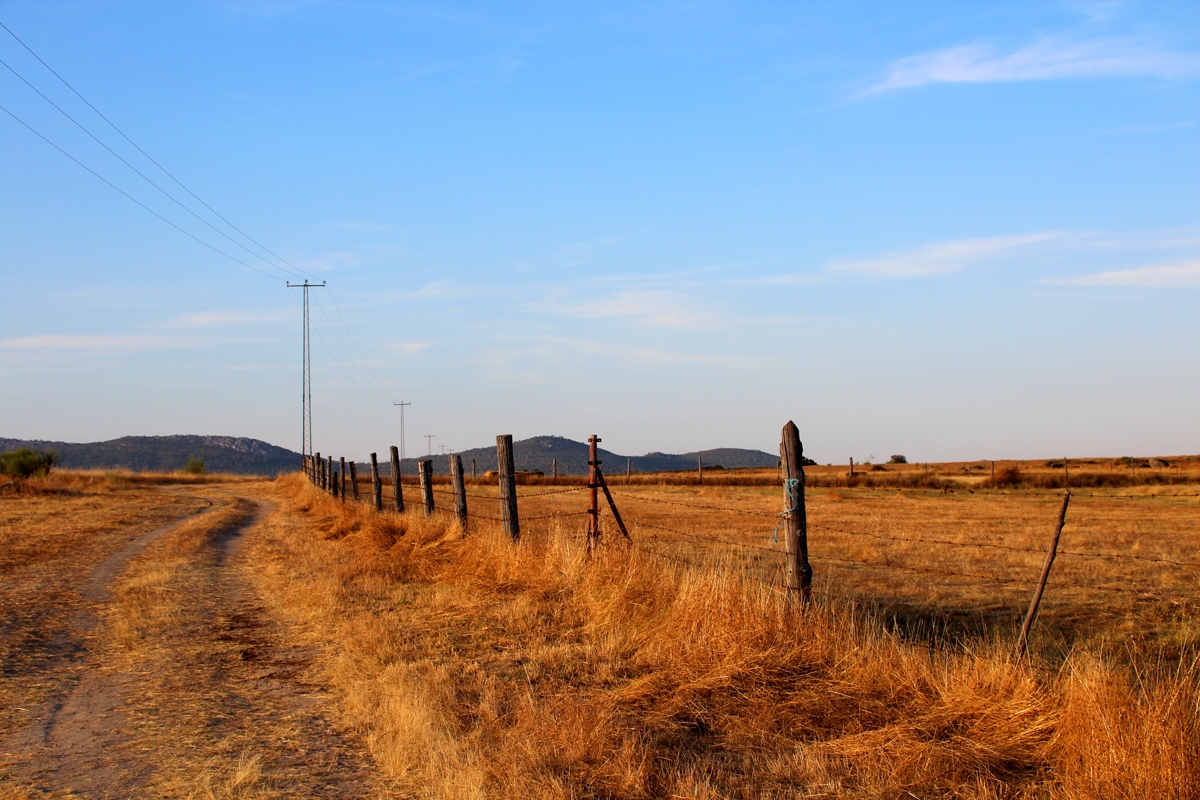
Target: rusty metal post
593 495
1023 640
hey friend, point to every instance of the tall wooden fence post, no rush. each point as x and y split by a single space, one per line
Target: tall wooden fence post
342 488
460 490
506 467
397 490
472 468
554 469
354 479
799 571
330 487
318 468
376 486
1023 640
594 499
426 474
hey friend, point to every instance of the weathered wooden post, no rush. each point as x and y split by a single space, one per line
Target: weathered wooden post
993 470
799 571
329 472
460 490
554 469
699 468
1023 640
628 469
851 468
426 474
472 468
333 484
317 466
594 499
397 490
342 488
354 479
376 486
506 467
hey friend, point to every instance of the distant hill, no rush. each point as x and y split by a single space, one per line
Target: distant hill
538 453
234 454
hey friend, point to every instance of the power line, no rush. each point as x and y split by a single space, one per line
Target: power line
133 199
143 152
140 174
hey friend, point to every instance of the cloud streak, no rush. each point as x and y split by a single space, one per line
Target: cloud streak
1167 276
940 258
1049 59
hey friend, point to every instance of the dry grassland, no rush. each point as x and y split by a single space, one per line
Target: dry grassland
476 668
286 644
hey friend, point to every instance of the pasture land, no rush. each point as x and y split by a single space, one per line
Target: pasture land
284 643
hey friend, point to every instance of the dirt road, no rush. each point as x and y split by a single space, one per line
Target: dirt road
171 680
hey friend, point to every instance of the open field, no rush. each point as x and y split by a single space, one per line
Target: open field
282 643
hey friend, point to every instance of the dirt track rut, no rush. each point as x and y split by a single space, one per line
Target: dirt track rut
218 703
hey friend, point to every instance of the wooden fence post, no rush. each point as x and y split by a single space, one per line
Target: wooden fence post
354 479
472 468
993 470
799 570
1023 641
628 469
318 466
593 498
333 484
699 468
460 490
508 485
376 486
397 490
330 488
342 488
426 468
554 469
851 467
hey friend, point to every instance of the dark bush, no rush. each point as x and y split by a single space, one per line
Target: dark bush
897 459
25 463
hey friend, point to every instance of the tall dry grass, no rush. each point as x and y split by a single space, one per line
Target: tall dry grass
475 667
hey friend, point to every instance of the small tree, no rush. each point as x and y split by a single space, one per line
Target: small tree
897 459
25 463
195 466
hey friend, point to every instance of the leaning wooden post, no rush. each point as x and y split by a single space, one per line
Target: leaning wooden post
460 490
397 490
426 474
593 484
342 488
799 570
376 486
1023 640
354 479
506 467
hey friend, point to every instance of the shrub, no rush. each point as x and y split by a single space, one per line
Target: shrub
897 459
1007 476
195 466
24 463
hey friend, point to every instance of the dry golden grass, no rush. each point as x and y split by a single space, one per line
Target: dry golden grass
475 667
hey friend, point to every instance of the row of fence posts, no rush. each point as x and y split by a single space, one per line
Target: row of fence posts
323 474
798 569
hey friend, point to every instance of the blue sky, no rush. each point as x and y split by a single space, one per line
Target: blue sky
961 230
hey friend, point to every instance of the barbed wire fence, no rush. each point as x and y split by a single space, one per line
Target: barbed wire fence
752 549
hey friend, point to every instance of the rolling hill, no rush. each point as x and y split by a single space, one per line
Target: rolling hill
234 454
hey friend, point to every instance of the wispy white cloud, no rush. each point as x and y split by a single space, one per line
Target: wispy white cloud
940 258
654 308
1166 276
1052 58
90 342
209 319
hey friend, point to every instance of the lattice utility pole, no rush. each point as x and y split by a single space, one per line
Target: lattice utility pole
306 440
402 404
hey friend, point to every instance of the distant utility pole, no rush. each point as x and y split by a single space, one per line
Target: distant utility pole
306 443
443 448
430 436
402 404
